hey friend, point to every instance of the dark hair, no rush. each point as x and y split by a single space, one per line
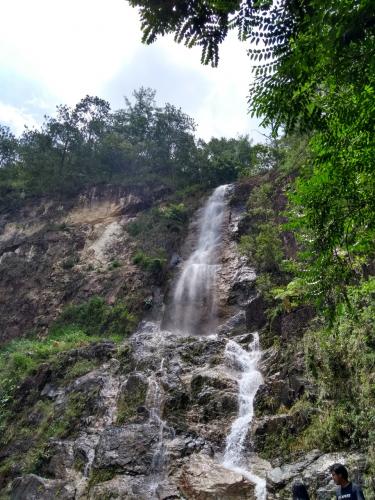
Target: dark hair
300 492
339 469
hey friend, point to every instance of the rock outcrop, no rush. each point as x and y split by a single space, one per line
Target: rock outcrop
56 251
203 479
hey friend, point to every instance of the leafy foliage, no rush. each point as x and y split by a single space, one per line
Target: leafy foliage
8 147
341 358
264 249
261 243
96 318
206 23
339 349
140 144
154 265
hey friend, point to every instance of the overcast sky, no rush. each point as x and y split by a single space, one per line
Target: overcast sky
57 51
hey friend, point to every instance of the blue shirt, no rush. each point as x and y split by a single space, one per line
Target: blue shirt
349 492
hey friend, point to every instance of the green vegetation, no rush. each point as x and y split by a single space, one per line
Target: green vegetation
140 145
160 231
96 318
60 358
20 358
338 345
129 402
101 475
314 76
77 326
154 265
80 368
310 222
264 248
341 357
114 264
69 263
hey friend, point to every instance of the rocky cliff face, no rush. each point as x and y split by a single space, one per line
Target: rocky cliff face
150 418
56 251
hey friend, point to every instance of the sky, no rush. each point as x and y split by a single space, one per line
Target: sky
57 51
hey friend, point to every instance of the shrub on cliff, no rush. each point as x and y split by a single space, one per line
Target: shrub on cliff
96 318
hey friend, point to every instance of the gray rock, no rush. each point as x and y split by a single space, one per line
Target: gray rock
32 487
120 487
182 446
136 382
255 314
84 451
215 394
62 459
242 288
244 339
129 448
233 324
204 479
277 392
51 391
277 424
313 471
280 476
295 323
175 260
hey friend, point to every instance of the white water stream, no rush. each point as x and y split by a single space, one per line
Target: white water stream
154 402
194 301
249 380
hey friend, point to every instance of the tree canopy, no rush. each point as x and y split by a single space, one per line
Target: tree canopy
141 143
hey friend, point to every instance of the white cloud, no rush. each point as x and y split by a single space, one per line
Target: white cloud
70 48
16 118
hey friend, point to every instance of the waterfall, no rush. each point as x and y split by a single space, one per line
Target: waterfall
193 311
154 402
193 304
245 363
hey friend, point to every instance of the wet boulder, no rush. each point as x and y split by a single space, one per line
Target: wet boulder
204 479
234 325
215 394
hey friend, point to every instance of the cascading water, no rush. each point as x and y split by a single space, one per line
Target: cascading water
245 363
154 402
193 311
193 305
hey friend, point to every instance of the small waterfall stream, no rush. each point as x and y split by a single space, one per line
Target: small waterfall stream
193 306
155 402
245 363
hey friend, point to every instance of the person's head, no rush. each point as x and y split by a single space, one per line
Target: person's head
300 492
339 474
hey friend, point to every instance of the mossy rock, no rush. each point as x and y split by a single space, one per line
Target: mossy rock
132 396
